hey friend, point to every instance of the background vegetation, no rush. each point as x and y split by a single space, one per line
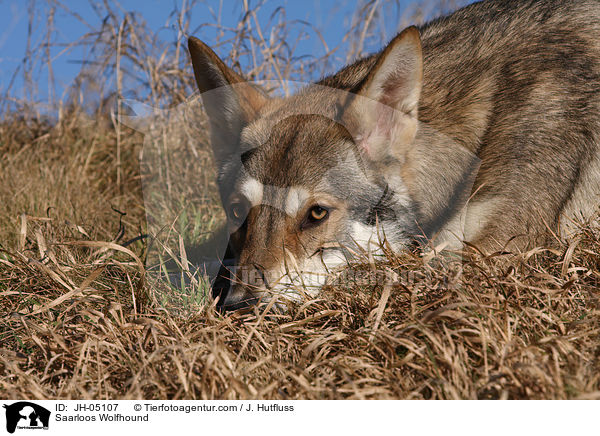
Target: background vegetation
79 317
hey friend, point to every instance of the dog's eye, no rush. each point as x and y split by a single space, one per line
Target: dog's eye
316 215
236 211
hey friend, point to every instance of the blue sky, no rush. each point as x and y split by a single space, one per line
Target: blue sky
331 18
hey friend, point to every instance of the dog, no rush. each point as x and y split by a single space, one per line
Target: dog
480 127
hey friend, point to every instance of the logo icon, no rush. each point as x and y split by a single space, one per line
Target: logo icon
26 415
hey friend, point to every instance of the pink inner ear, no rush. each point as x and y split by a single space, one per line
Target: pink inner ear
391 91
385 119
363 144
376 138
398 90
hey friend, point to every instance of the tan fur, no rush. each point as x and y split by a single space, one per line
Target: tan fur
482 126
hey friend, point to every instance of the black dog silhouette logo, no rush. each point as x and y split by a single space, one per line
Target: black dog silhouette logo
26 415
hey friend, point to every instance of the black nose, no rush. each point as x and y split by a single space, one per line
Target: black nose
245 302
222 284
222 287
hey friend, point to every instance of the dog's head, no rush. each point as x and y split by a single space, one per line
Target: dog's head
305 180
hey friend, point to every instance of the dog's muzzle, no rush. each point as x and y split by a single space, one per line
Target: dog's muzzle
223 292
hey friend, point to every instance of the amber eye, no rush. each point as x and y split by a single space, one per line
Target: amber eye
236 211
318 213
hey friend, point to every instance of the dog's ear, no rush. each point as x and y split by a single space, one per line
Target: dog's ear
388 100
229 100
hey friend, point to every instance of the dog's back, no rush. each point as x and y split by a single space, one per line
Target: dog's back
535 121
518 84
497 104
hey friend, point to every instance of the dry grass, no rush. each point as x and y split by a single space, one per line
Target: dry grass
79 324
81 319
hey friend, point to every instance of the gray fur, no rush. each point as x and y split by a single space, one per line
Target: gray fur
508 120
